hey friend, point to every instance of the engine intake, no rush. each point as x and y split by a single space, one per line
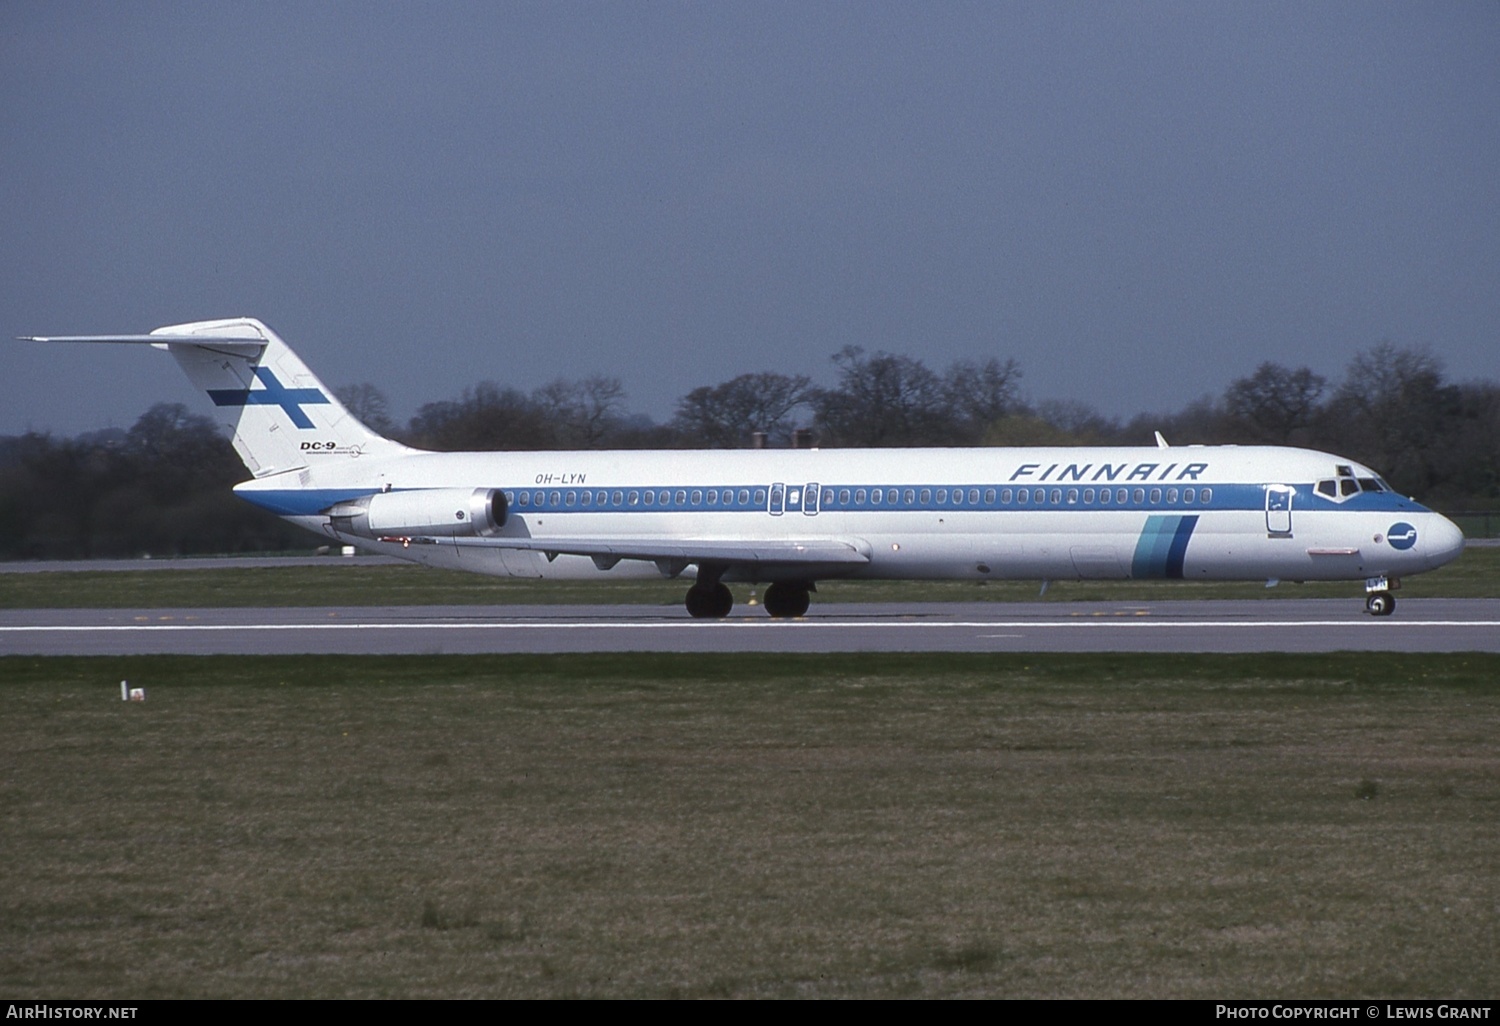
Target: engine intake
423 512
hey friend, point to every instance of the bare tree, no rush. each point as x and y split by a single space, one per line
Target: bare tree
486 417
884 400
369 406
1394 412
725 416
1276 404
982 393
582 413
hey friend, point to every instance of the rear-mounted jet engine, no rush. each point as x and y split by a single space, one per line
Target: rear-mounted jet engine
422 512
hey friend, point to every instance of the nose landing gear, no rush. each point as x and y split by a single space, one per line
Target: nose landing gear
1378 598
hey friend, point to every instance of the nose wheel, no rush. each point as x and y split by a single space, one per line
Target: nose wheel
1380 603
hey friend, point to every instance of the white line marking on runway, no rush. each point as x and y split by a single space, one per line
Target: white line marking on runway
618 625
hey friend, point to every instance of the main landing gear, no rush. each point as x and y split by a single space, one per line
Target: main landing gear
709 599
787 598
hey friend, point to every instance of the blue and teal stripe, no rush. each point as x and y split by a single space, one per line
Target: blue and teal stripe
1162 546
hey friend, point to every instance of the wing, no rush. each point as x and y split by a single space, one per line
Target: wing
678 553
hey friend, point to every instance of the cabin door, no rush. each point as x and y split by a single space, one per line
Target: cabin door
810 499
793 498
1278 510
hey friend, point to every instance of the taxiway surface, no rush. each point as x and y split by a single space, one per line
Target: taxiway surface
1314 625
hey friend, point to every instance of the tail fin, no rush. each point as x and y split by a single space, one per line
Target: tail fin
282 417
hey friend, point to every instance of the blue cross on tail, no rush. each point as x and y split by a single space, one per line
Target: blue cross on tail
273 394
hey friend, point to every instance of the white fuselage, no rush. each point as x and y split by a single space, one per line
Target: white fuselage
1197 513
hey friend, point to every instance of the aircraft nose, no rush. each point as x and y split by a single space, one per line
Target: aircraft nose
1444 541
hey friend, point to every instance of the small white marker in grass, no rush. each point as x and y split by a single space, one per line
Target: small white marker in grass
130 694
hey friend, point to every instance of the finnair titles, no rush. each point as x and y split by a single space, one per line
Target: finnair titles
788 518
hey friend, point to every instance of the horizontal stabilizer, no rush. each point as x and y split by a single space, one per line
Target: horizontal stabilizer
246 346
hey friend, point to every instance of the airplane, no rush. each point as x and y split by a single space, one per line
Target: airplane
788 518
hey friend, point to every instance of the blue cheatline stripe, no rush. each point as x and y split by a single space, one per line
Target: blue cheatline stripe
1162 546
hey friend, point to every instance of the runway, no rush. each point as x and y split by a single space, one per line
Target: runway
1316 625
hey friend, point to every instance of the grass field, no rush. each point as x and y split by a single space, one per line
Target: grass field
1475 574
986 825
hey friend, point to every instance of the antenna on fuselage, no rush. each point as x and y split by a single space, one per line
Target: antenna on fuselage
1161 443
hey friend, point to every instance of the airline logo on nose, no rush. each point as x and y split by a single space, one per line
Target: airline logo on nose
1401 536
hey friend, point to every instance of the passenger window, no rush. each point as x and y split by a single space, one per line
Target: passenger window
875 496
650 498
859 497
635 498
1088 496
1188 495
572 498
697 497
510 498
1121 496
1056 496
989 495
525 498
1005 496
843 496
910 496
942 495
1172 496
1104 496
926 496
1022 497
1139 495
1155 496
681 497
618 498
1072 496
744 496
760 497
1208 496
539 499
827 496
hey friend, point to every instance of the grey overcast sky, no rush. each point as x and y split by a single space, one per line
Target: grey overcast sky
1138 202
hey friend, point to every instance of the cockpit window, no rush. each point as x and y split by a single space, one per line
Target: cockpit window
1328 489
1348 486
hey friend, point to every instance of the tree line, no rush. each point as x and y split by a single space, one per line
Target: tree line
163 486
